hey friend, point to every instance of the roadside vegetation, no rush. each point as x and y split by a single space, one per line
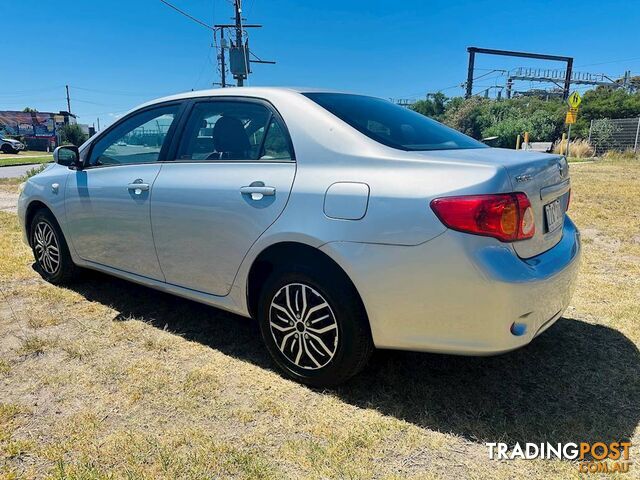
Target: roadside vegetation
106 379
543 119
72 135
25 158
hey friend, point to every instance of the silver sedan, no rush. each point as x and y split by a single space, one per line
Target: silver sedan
341 222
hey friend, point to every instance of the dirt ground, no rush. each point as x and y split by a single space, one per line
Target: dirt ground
8 198
107 379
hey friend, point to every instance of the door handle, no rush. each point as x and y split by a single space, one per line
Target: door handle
257 190
138 187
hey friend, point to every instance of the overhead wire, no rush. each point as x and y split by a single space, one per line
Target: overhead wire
189 16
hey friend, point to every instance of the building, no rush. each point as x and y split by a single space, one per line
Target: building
38 130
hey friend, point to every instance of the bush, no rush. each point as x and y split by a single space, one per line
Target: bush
577 148
72 134
34 171
543 119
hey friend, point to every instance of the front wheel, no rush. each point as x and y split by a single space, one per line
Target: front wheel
314 326
50 250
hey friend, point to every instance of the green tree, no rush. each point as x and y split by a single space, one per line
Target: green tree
72 134
29 110
542 118
467 116
433 107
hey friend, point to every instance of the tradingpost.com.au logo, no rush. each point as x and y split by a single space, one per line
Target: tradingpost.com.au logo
596 457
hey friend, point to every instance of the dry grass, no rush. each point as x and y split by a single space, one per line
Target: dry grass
624 155
109 380
577 148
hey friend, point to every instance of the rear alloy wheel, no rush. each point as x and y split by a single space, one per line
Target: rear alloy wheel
50 250
314 326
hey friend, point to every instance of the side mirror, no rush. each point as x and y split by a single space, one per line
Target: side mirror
67 155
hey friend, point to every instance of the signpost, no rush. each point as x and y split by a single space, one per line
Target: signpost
574 100
572 115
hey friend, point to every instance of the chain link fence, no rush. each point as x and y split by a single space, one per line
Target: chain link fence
620 134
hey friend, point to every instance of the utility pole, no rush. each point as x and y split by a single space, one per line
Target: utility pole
68 99
239 62
237 4
221 58
98 123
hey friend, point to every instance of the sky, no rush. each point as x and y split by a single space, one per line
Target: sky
117 54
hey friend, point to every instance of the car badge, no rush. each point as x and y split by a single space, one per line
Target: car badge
523 178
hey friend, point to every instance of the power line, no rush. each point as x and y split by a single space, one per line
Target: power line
609 62
26 93
113 92
191 17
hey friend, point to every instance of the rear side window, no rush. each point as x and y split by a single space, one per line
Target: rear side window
233 131
392 125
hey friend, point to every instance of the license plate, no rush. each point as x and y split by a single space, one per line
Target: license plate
554 215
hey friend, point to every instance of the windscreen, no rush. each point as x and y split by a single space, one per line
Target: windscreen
392 125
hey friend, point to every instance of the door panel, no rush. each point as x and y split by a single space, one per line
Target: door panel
107 203
108 219
203 224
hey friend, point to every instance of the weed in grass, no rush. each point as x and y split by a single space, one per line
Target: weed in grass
615 155
9 411
5 367
16 448
34 345
42 320
79 349
34 171
202 381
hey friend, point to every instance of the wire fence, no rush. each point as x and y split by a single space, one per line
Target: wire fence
620 134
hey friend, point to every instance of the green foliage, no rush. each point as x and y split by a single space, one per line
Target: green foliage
603 132
34 171
72 134
543 119
433 107
29 110
467 116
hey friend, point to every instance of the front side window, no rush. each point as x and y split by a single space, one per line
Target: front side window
138 139
233 131
392 125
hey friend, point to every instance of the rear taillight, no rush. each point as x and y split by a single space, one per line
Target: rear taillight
506 216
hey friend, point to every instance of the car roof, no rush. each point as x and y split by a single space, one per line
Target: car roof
255 92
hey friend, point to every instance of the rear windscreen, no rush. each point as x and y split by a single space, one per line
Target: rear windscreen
392 125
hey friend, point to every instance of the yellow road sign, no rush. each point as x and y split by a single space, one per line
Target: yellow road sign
572 116
574 100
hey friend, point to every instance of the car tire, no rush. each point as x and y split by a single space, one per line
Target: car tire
8 149
320 346
50 250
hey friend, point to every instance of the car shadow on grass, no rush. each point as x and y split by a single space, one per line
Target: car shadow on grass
577 382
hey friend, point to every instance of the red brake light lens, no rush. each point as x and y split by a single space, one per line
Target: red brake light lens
507 216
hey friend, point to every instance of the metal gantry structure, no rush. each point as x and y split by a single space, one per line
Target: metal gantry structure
509 53
562 78
556 76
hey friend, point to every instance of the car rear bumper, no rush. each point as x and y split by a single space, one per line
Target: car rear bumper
459 293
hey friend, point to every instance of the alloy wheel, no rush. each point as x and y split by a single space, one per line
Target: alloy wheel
46 248
303 326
